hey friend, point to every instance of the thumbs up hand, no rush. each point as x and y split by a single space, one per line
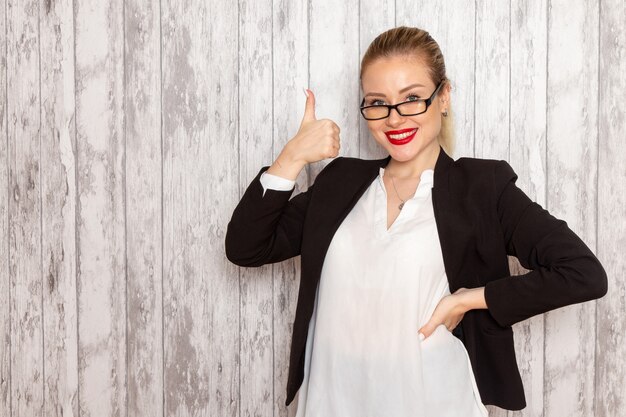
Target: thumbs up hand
316 139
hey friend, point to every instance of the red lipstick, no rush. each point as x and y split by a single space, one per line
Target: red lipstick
402 139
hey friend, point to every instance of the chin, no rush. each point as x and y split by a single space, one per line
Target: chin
406 152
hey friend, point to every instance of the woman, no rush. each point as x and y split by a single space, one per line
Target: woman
383 243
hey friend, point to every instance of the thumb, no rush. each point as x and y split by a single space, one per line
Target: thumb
309 109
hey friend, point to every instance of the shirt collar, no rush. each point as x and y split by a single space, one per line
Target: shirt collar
439 176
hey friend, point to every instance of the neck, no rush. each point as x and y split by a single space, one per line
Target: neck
413 169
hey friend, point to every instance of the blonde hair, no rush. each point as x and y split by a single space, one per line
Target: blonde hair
416 43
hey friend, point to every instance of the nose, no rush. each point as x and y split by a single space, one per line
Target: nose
395 119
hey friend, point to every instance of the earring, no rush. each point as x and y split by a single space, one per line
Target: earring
445 113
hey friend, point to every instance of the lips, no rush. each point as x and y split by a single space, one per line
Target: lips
401 137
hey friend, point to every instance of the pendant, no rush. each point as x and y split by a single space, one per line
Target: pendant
401 205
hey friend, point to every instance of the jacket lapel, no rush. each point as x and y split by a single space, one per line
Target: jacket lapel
350 185
355 180
455 227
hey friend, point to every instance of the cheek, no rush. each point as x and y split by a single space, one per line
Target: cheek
436 122
375 128
432 124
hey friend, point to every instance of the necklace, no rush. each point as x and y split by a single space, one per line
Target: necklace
396 190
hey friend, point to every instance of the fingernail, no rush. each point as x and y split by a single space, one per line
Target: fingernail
422 337
305 92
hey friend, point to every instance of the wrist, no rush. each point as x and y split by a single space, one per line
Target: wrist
291 158
472 298
286 166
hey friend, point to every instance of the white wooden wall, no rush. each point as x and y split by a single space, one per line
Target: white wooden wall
129 130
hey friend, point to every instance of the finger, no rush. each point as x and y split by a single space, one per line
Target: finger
309 108
424 332
332 151
428 328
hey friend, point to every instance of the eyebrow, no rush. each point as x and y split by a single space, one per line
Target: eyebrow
401 91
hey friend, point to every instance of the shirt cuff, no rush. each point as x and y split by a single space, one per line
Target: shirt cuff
274 182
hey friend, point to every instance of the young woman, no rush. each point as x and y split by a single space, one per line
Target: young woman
406 301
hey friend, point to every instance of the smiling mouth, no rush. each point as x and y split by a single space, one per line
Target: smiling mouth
401 137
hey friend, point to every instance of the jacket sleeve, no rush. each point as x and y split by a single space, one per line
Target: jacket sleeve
564 270
267 228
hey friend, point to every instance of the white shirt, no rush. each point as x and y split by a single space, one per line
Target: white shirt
377 288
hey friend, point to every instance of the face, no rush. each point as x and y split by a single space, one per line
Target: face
394 80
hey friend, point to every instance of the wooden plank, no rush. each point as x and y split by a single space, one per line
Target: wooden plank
375 17
25 292
58 188
527 147
289 74
201 292
256 387
5 287
610 340
144 218
452 25
101 208
572 92
334 70
492 66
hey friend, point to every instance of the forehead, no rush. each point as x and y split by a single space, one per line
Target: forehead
390 75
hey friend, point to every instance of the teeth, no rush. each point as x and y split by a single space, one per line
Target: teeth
403 135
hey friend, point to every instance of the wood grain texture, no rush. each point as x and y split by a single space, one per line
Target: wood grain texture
144 221
200 287
290 52
5 287
609 391
492 84
24 209
101 205
572 140
58 190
